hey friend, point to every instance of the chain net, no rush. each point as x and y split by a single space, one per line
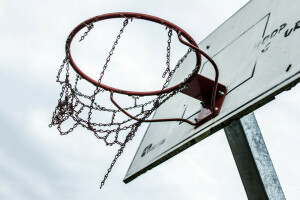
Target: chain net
79 108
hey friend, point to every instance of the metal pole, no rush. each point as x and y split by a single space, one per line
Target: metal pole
252 159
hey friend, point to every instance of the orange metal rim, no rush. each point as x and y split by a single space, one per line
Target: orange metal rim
130 15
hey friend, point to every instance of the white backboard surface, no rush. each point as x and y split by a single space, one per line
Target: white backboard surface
257 51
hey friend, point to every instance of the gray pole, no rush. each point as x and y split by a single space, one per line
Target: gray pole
252 159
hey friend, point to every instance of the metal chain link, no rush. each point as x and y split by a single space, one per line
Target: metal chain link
168 54
89 26
176 67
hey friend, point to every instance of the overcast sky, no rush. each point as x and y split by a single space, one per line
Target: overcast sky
37 163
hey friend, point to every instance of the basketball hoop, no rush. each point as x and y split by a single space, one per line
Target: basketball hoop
71 104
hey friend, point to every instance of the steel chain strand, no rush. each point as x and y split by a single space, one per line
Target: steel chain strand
72 104
76 82
135 98
120 151
60 70
65 108
117 135
176 67
112 118
62 92
78 77
89 26
115 138
67 78
68 131
57 108
68 86
62 106
168 54
104 68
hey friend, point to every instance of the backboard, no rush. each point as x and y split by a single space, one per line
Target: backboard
257 52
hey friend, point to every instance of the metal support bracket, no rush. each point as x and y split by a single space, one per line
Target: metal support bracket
201 88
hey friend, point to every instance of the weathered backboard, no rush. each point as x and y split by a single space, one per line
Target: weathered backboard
258 54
